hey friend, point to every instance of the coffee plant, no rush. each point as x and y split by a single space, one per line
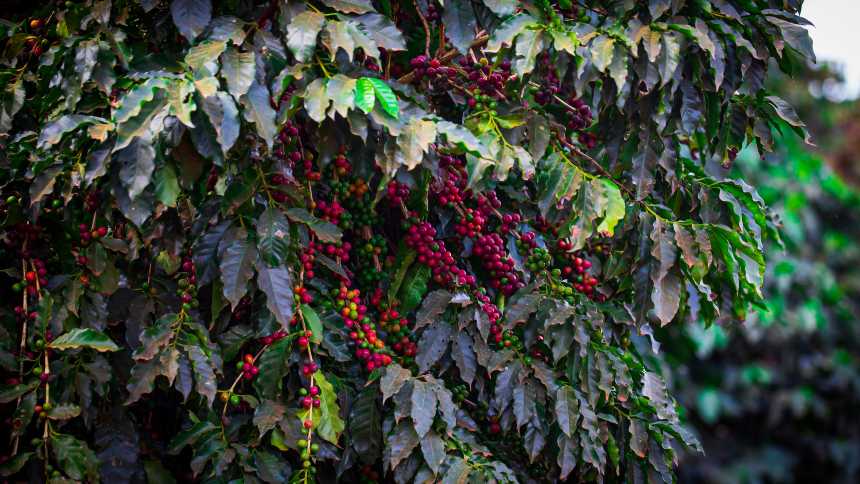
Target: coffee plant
782 386
373 240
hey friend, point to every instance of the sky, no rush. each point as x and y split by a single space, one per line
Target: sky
836 37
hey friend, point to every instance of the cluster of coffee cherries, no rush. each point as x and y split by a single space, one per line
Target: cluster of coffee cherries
361 212
336 250
87 235
370 258
460 393
431 68
308 257
396 192
362 330
511 340
341 165
187 283
432 252
331 211
487 79
307 165
247 367
551 85
397 329
510 221
302 295
450 191
539 260
36 276
470 223
491 249
579 115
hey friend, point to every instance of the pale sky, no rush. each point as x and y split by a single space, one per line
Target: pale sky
836 37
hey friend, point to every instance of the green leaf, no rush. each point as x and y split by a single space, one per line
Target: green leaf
564 40
190 436
325 230
204 374
272 365
84 338
191 16
433 450
167 185
204 53
459 20
414 287
271 468
14 464
238 68
9 393
382 30
237 264
53 132
277 284
566 410
74 458
273 236
400 444
340 91
64 411
393 379
423 406
529 44
268 414
386 97
500 8
313 322
509 30
365 425
350 6
463 139
433 344
667 285
137 163
316 100
340 37
365 97
414 141
329 424
223 115
258 110
156 473
794 35
601 52
613 208
302 34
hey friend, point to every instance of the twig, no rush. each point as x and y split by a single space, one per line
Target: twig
427 33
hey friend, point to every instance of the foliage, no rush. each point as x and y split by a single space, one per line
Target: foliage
783 386
357 239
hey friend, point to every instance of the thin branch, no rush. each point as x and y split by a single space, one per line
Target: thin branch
427 33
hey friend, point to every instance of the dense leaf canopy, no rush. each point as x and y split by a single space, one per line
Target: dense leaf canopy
372 240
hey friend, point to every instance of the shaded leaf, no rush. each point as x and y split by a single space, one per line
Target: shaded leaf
84 338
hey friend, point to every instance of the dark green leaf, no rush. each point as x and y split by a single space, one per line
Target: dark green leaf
237 264
84 338
191 16
325 230
277 284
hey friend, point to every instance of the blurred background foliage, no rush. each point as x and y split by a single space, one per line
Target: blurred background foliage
777 399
